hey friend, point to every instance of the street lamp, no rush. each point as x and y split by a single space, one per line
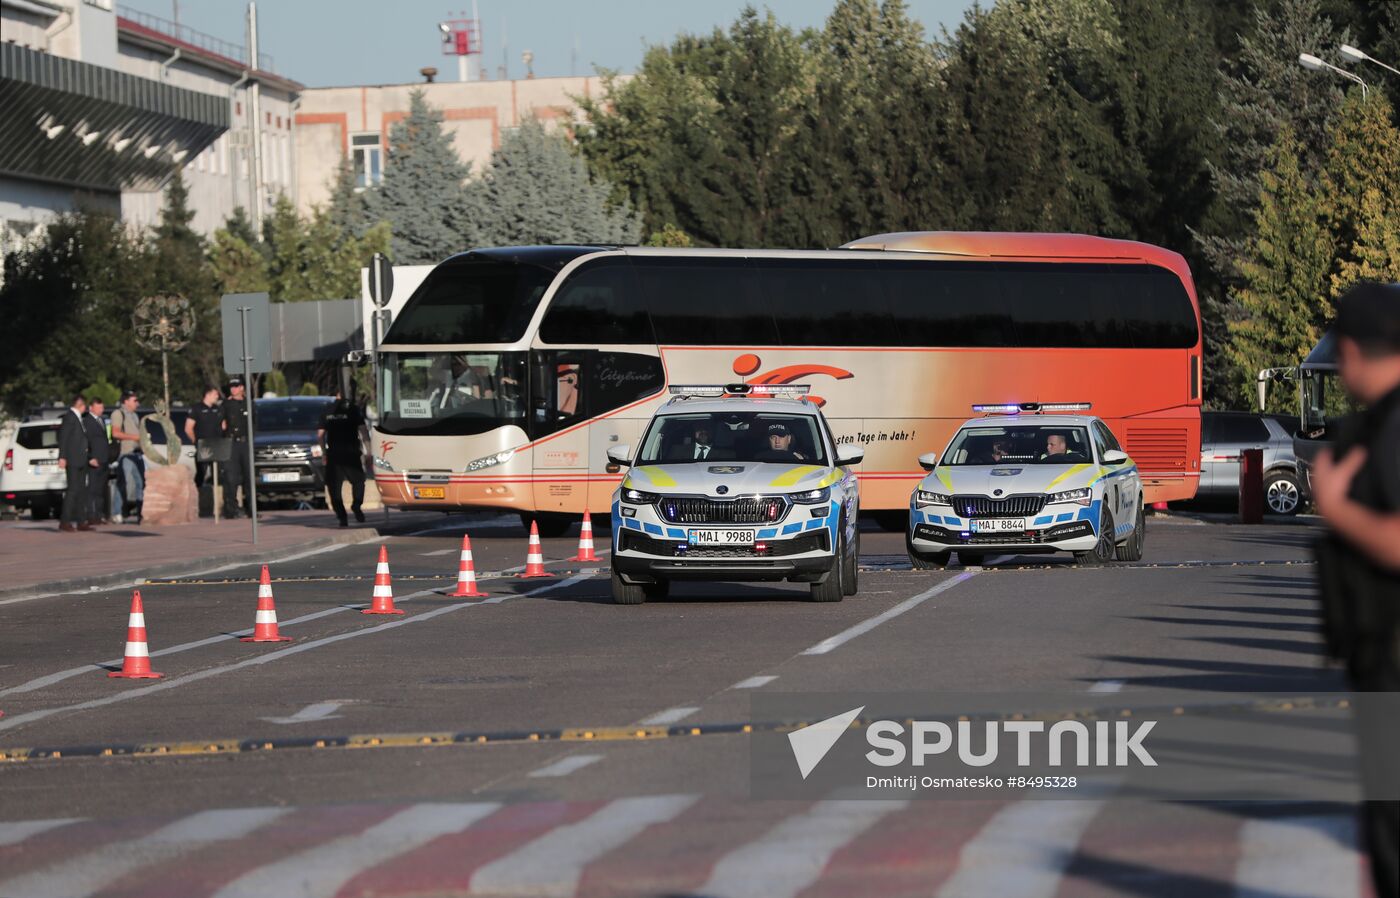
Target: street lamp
1313 64
1356 55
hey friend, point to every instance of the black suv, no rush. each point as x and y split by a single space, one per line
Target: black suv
289 459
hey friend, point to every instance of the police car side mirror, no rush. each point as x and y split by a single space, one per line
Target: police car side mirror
849 454
1114 457
928 461
620 455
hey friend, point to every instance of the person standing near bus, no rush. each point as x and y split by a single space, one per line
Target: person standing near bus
1356 487
205 424
236 472
344 435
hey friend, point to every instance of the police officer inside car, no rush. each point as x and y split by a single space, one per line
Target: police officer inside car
234 414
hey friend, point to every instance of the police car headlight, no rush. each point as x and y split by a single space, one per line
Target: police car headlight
924 497
639 497
1078 497
490 461
812 497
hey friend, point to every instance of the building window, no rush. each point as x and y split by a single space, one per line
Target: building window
369 159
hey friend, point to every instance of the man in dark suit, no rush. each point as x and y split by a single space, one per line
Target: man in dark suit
76 461
100 449
700 447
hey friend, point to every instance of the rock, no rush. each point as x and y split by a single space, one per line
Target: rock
171 497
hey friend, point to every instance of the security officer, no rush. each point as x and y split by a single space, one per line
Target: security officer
344 436
100 451
74 460
1356 487
206 422
234 415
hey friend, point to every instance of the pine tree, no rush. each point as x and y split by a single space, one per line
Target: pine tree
311 258
1363 156
423 194
348 209
178 266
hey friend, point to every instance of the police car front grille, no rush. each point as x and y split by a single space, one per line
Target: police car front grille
987 507
810 542
696 510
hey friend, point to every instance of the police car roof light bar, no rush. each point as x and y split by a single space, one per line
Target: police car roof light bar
1035 408
718 390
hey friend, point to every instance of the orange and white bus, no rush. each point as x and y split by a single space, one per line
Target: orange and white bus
510 372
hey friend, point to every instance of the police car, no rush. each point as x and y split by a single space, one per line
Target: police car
736 482
1022 480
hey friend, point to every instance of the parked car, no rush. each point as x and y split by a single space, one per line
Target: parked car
30 477
289 459
1224 435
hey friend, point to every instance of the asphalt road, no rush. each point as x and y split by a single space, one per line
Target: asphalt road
599 749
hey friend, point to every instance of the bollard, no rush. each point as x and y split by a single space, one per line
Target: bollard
1252 486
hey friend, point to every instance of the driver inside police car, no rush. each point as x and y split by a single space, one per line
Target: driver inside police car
780 445
1056 444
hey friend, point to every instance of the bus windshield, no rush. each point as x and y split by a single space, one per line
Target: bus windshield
733 436
1049 444
471 301
447 393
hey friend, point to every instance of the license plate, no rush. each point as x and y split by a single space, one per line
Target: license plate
281 477
999 525
430 492
721 537
45 461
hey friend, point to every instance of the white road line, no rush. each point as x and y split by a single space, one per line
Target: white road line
14 833
566 766
10 721
1022 851
1107 686
325 869
550 866
753 683
439 552
793 854
667 717
1299 856
88 873
865 626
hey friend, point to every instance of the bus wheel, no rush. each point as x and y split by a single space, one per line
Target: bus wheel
625 593
551 526
892 521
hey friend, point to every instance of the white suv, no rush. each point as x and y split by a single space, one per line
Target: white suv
31 477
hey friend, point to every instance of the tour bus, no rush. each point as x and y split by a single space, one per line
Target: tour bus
509 373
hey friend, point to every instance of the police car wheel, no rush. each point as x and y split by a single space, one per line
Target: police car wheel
850 577
1131 549
624 593
831 589
925 561
1103 550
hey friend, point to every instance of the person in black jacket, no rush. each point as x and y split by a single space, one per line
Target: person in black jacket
75 460
99 450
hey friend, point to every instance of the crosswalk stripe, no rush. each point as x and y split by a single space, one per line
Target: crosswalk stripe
550 866
89 872
14 833
667 717
1299 856
793 854
566 766
1022 851
323 870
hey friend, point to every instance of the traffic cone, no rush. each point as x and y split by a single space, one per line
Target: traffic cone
1159 506
585 540
265 621
466 574
136 664
534 557
383 600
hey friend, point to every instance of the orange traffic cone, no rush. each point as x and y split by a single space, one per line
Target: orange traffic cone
466 574
383 601
136 664
534 557
265 621
585 540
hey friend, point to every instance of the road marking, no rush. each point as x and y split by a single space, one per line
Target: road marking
438 552
999 559
9 721
566 766
753 683
1107 686
14 833
667 717
318 711
1298 856
550 866
325 869
90 872
865 626
792 855
1022 851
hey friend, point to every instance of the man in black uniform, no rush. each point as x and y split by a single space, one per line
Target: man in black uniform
344 436
206 422
1356 487
234 414
74 459
100 450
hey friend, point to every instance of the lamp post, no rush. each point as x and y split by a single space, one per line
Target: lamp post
1313 64
1356 55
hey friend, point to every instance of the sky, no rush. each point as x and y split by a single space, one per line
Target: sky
324 43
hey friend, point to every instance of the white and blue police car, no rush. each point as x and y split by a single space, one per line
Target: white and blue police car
1024 479
736 482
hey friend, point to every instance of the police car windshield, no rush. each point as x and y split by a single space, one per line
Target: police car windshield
740 436
1029 444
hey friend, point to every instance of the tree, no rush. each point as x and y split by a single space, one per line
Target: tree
1363 156
669 235
178 267
423 195
311 258
348 210
537 190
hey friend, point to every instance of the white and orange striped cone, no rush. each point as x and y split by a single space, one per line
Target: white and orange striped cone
383 600
265 621
585 540
466 574
534 555
136 664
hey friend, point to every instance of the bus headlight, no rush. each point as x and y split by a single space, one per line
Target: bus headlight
382 464
924 497
639 497
812 497
1078 497
490 461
